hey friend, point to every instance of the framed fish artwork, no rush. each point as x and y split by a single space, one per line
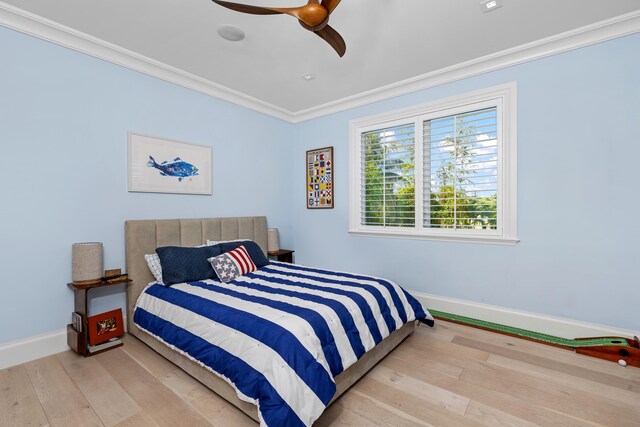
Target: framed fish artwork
320 178
160 165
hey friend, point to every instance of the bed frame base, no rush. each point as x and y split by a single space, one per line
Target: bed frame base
343 381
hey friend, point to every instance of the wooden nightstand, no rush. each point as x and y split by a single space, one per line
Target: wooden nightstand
78 341
283 255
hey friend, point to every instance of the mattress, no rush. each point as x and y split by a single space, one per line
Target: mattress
279 335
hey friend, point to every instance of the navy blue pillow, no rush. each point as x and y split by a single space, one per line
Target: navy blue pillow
186 264
256 254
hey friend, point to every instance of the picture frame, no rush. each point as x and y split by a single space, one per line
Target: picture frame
161 165
105 326
320 171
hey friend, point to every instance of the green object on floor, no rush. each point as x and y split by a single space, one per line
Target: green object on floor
590 342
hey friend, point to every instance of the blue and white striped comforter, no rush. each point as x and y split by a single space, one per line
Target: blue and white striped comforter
281 334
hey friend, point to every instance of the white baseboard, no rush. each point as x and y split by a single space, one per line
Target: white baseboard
557 326
35 347
27 349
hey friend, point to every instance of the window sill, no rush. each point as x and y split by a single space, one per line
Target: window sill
491 240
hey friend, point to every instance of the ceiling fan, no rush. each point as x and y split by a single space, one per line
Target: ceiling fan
314 16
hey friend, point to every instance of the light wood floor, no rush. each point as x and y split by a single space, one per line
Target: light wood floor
447 376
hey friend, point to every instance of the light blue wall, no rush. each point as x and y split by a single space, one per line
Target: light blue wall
578 197
64 118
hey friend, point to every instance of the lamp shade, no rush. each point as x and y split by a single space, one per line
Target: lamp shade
273 243
87 262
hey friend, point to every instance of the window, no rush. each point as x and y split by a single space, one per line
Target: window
444 170
388 177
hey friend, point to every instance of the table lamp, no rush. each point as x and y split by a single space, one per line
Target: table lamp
273 240
87 262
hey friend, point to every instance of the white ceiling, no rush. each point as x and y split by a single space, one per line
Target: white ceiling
388 41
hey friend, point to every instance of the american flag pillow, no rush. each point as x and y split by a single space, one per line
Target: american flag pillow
232 264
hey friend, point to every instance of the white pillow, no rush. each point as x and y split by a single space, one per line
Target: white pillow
215 242
153 262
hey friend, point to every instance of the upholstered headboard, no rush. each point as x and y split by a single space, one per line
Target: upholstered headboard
144 236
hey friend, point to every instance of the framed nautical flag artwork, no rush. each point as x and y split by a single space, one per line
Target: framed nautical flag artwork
159 165
320 178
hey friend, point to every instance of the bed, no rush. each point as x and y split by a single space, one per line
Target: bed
144 236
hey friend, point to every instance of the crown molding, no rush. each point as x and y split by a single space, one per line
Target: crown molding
45 29
598 32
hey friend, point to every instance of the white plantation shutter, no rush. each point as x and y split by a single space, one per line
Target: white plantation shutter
388 176
445 170
461 171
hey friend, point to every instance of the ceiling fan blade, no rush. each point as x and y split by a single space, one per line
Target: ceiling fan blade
313 16
330 4
258 10
332 37
245 8
292 11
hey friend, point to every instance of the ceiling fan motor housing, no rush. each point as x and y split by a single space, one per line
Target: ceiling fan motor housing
313 17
